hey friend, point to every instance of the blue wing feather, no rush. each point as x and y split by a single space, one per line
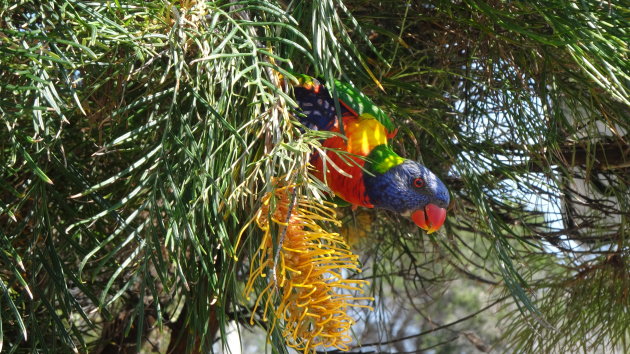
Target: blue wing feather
317 107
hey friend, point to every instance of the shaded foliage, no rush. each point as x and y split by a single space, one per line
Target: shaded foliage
138 137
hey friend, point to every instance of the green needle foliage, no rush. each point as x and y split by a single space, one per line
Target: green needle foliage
138 137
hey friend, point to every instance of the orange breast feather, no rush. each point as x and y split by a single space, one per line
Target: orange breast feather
363 134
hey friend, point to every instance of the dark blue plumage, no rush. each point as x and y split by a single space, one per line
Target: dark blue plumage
317 108
395 190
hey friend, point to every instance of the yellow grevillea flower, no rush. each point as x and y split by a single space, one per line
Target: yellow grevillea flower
305 285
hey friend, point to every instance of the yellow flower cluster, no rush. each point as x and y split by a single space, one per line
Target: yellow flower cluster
305 284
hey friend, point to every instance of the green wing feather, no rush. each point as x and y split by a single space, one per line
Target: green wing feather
362 104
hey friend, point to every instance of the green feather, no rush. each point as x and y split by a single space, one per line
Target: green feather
362 104
299 79
381 159
305 79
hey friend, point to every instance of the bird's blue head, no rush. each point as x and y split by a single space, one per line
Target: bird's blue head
405 187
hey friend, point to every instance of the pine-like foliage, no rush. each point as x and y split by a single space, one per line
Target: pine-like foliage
138 139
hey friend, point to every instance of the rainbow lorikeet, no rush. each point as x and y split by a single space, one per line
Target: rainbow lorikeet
373 176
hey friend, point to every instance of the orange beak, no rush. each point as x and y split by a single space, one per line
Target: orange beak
430 219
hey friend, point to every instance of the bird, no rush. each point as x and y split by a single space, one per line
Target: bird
358 164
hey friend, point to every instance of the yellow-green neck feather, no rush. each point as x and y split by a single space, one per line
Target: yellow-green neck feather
381 159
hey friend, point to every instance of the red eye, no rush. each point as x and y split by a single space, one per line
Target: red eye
418 182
